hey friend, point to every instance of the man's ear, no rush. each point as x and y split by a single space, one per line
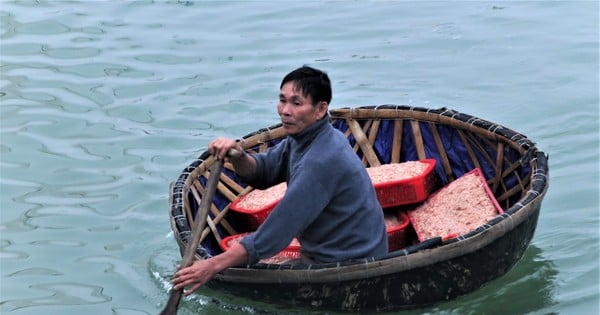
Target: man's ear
322 109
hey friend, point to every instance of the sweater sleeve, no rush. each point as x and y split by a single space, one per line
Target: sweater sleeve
302 203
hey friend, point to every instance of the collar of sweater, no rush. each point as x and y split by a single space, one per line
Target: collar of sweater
307 135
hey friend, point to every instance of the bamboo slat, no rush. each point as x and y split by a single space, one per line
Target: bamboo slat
418 137
198 190
441 150
469 148
209 221
479 148
357 146
235 187
517 189
373 131
498 167
397 141
263 147
186 202
363 142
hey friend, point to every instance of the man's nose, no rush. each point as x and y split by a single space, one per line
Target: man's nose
284 109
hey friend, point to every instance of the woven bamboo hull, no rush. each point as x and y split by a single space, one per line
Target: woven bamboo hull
405 289
422 274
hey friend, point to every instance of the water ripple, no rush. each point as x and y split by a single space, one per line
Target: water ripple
60 293
35 272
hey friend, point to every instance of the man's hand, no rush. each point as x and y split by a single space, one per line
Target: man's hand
219 147
195 275
243 163
201 271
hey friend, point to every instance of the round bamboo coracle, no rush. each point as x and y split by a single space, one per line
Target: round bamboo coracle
483 143
423 273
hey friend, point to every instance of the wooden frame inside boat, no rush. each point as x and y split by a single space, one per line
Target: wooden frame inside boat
422 274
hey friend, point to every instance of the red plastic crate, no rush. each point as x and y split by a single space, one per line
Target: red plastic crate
291 251
253 218
398 235
408 190
421 228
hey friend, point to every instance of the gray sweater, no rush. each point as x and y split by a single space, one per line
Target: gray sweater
329 205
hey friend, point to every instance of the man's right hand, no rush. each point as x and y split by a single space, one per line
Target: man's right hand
219 147
243 163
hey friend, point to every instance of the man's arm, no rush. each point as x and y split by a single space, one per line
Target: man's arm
244 165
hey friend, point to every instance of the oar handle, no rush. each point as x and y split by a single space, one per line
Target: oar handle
201 216
234 153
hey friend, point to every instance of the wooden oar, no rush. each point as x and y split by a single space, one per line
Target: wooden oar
201 216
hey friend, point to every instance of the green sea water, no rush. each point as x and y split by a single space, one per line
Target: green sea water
103 103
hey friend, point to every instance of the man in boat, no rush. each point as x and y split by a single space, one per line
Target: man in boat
330 203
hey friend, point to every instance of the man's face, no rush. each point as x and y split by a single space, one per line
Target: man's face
296 111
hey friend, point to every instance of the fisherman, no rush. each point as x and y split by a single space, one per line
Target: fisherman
329 205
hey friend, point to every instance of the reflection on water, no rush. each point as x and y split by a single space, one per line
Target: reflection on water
102 104
528 287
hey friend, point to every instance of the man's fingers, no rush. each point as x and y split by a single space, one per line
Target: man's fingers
192 289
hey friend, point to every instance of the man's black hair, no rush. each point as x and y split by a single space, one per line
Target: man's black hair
311 82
